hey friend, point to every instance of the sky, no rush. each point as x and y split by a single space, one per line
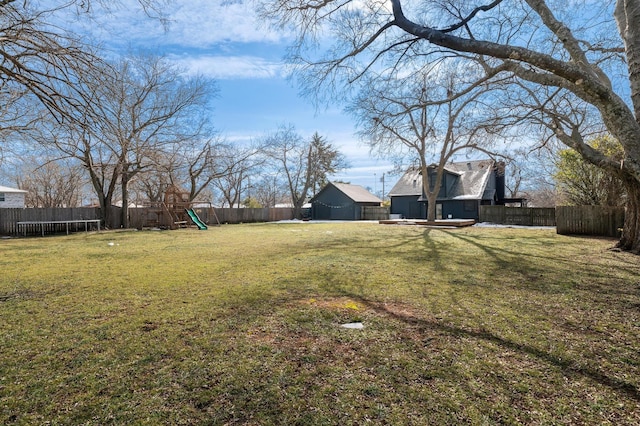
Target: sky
224 40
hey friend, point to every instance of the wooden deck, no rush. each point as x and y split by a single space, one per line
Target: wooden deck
449 223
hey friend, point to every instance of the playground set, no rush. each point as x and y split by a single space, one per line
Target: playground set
176 211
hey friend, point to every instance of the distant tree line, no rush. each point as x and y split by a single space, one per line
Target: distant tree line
77 128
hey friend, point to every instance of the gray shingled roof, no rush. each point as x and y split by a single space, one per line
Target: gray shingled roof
357 193
470 185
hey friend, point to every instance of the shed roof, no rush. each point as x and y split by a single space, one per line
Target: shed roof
357 193
7 189
471 183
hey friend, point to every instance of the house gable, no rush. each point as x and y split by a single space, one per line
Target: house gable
464 187
449 180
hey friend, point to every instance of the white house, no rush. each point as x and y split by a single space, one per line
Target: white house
11 198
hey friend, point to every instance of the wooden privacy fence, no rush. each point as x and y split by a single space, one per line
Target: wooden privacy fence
213 216
525 216
245 215
590 220
9 219
374 213
578 220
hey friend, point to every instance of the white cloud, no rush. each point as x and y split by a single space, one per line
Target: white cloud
226 67
191 24
206 22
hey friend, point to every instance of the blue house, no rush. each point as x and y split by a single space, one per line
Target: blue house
341 201
465 187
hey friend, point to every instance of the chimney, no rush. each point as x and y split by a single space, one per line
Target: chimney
500 181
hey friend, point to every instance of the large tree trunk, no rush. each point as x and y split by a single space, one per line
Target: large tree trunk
125 200
431 206
105 211
630 240
103 199
627 14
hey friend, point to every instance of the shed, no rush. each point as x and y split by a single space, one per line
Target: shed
12 198
342 201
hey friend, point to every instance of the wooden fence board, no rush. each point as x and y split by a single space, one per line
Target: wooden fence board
590 220
374 213
525 216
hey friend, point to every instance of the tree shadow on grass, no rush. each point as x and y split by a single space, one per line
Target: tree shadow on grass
569 366
502 256
434 249
531 265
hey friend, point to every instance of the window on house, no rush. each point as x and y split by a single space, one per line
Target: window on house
1 196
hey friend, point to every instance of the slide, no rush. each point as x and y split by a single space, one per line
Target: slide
194 217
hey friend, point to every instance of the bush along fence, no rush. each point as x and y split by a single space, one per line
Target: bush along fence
568 220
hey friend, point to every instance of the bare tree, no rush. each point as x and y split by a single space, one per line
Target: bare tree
236 165
208 162
529 175
268 190
304 164
191 166
412 115
159 177
54 184
569 58
144 108
38 60
42 62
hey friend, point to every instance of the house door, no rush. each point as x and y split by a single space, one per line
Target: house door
438 211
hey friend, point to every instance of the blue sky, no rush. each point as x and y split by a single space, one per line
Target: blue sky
222 40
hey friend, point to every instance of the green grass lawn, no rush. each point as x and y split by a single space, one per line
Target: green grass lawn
240 324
